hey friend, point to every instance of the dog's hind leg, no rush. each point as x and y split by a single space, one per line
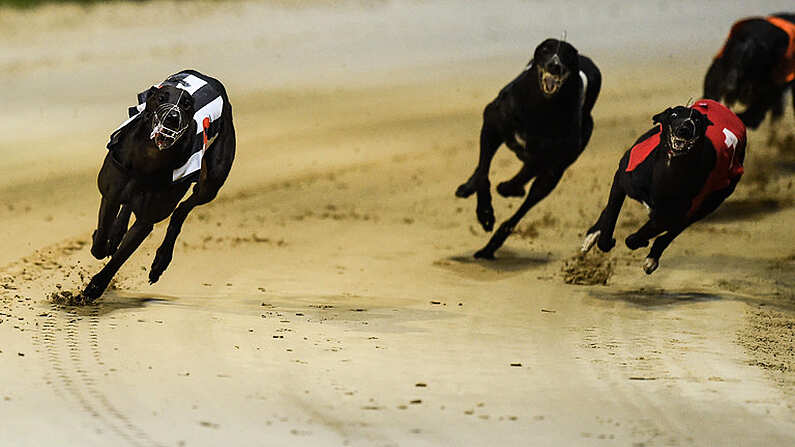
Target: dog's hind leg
515 186
753 116
119 228
792 93
601 232
131 241
660 244
490 141
641 237
776 112
201 194
542 186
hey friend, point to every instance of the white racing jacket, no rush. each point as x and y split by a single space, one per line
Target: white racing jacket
208 104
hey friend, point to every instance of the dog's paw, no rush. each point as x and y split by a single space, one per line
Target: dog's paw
465 190
486 217
605 243
590 241
159 265
650 265
99 248
94 289
484 253
508 189
634 242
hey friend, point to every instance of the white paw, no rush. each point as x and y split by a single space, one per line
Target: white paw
590 241
650 265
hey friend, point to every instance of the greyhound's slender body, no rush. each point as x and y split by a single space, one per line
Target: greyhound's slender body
544 117
136 178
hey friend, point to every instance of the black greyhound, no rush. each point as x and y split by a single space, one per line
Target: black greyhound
544 117
755 67
180 133
682 170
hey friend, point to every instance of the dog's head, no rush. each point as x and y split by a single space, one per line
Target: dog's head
748 61
682 129
554 60
171 113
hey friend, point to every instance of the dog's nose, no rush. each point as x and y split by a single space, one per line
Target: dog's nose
686 130
555 69
172 119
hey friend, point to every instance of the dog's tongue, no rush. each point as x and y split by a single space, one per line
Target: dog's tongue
160 141
549 84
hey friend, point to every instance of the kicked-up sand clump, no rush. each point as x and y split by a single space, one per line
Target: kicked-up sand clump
68 298
587 269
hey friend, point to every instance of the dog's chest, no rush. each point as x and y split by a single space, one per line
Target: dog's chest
658 185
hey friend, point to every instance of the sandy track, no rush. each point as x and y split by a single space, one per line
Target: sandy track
328 296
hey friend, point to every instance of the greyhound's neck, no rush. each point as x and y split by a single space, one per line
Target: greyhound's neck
683 172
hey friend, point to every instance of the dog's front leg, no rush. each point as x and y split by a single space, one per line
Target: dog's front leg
542 186
490 141
119 228
108 209
129 244
601 233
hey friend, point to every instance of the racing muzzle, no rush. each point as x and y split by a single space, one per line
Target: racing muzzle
169 123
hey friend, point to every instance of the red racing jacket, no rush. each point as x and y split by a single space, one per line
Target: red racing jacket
786 71
727 134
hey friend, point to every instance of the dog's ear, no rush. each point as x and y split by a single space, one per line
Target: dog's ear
149 97
151 92
660 117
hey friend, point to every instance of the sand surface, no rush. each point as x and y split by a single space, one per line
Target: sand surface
328 295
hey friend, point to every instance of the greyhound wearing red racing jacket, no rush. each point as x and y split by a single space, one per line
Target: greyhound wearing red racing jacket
755 67
682 170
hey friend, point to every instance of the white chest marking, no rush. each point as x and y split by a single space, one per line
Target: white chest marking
520 140
584 87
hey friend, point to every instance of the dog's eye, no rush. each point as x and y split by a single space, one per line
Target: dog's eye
673 115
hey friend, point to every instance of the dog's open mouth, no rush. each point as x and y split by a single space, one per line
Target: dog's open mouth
680 146
163 141
550 83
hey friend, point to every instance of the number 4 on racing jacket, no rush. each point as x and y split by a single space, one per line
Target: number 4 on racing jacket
208 97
